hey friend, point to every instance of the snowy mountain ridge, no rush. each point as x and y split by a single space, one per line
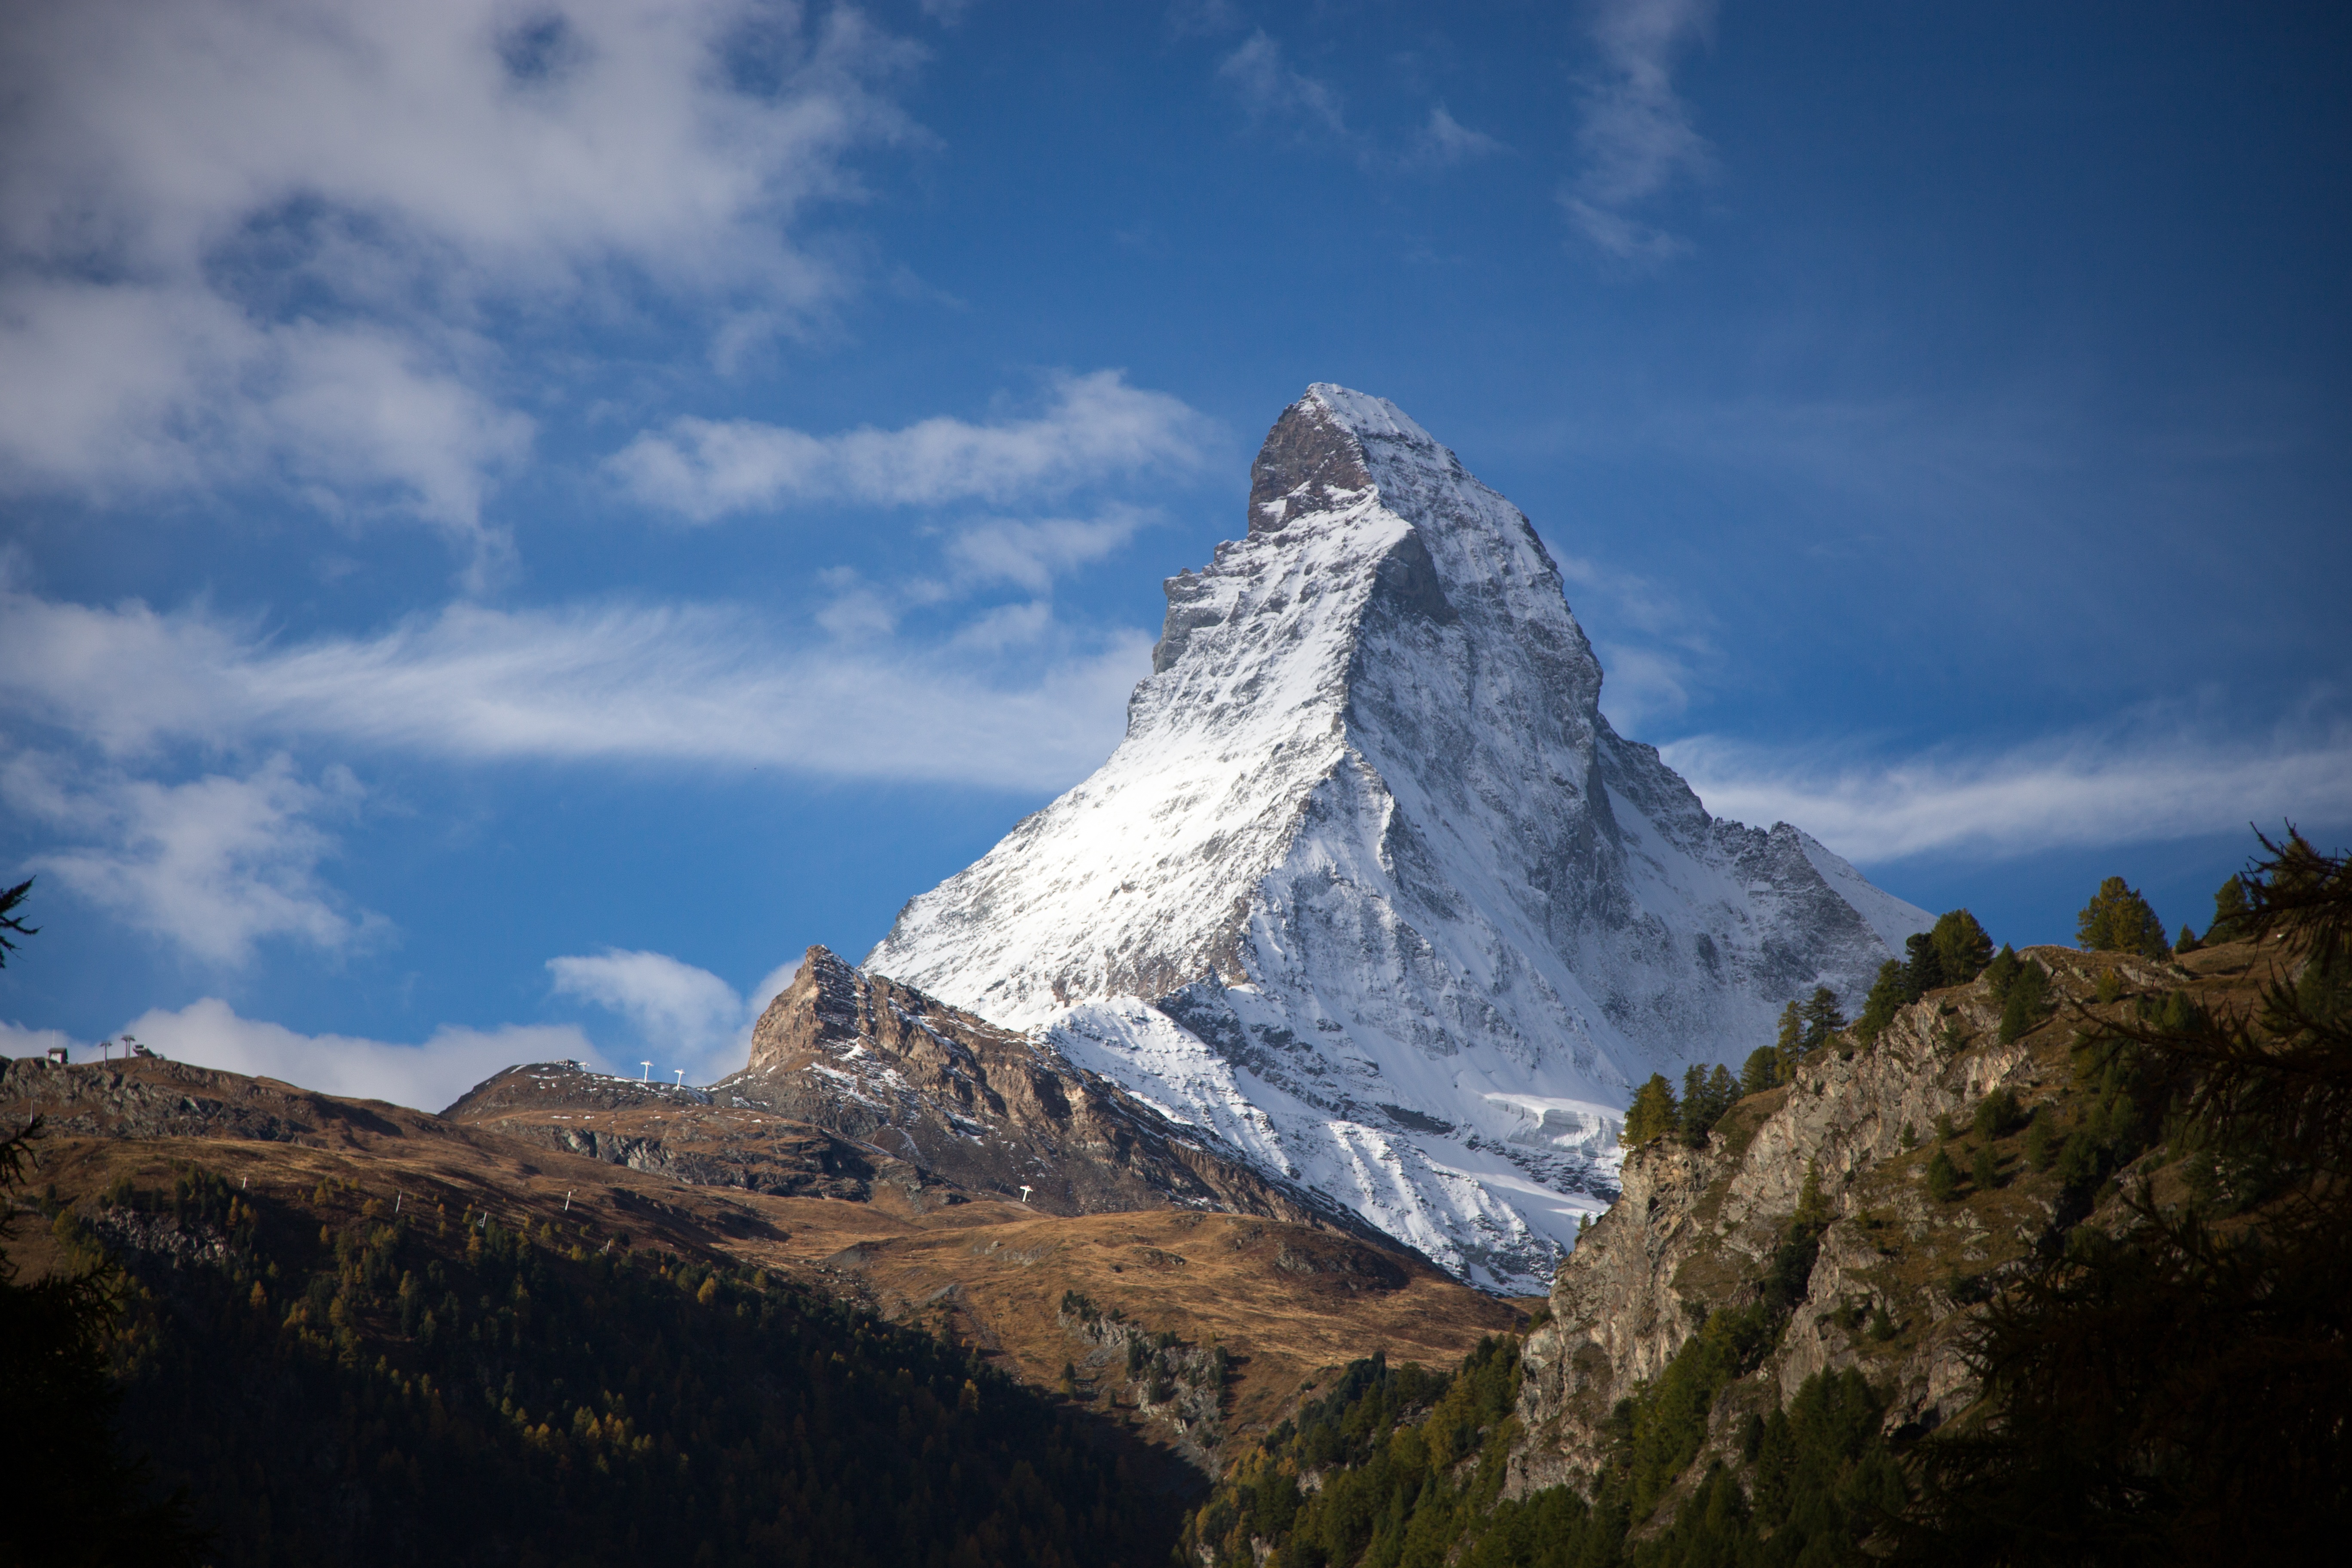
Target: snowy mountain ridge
1370 889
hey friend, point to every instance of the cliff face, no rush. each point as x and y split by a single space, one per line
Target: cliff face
868 1058
1697 1229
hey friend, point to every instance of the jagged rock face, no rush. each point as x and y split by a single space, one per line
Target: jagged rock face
984 1109
1695 1230
1371 888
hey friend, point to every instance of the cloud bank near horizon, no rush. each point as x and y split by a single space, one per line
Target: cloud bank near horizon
427 1077
2076 792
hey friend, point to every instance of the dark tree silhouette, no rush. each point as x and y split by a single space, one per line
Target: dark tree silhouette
11 921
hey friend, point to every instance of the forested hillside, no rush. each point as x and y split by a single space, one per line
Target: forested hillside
334 1383
2045 1263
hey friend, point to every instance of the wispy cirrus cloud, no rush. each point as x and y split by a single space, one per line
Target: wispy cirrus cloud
263 243
2132 781
1443 141
1654 644
676 684
1269 89
1092 427
1636 134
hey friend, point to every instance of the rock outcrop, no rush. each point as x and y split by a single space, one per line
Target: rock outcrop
854 1078
1696 1229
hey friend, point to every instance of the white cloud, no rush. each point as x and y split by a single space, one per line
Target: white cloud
256 240
1636 135
1032 554
428 1077
1095 427
2112 787
19 1042
1653 645
1444 140
702 685
684 1016
214 864
1270 88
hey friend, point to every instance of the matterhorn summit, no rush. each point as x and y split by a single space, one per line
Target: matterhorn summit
1371 892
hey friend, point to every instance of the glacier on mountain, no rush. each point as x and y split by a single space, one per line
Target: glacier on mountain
1371 892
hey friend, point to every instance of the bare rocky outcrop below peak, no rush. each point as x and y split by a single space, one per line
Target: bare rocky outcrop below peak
854 1079
967 1102
1695 1228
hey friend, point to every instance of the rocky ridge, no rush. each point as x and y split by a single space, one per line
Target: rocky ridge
1372 891
854 1079
1696 1229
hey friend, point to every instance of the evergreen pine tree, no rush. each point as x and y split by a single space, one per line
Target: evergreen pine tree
2023 1007
1962 946
2001 972
1889 995
1922 966
1790 1044
2117 920
9 899
1822 1019
2041 1148
1760 1071
2232 913
2187 943
1653 1114
1943 1176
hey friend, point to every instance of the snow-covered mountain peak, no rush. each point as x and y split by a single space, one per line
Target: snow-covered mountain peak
1371 888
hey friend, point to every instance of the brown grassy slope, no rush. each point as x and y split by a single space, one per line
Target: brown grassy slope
1284 1300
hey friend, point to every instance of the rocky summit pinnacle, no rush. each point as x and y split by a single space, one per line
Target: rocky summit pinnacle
1372 889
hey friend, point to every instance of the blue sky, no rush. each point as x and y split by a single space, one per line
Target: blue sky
515 519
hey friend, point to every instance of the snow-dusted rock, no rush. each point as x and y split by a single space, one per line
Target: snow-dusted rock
1371 889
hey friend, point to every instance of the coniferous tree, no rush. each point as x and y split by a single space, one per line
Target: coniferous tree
2232 913
1789 1044
2117 920
1963 947
1760 1071
1654 1113
2001 972
1822 1019
2040 1147
1889 993
1922 966
10 921
2027 1000
1708 1093
1943 1176
2157 1390
1695 1119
